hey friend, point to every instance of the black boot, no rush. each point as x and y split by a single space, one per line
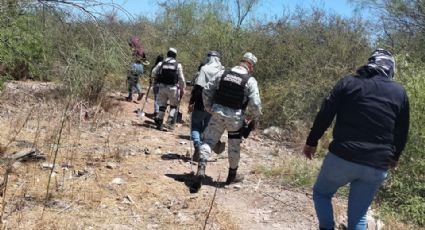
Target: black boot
233 177
200 176
158 123
195 156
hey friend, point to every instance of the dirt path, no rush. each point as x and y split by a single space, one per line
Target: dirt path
257 203
117 172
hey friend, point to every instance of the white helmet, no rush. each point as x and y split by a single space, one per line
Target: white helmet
250 57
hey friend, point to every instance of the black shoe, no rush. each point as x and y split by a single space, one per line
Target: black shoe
200 176
129 99
233 177
158 123
140 96
195 156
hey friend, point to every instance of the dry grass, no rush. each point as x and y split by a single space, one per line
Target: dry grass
291 169
81 193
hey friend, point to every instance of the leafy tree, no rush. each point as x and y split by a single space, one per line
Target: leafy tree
402 23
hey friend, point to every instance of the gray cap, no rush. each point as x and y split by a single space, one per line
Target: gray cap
250 57
213 53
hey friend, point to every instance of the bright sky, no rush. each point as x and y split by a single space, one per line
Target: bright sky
266 9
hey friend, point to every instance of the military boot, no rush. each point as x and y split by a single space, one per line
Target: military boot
158 123
200 175
233 177
195 156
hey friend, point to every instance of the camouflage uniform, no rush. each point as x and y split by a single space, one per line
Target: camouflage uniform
168 90
227 118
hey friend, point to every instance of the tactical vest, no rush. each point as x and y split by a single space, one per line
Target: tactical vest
168 73
232 90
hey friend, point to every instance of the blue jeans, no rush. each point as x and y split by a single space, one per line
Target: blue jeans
133 85
364 183
200 121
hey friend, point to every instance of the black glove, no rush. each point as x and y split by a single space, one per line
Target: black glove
247 127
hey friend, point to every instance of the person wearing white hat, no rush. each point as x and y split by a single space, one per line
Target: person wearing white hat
200 118
171 84
227 97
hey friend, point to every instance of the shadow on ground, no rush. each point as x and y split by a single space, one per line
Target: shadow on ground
175 156
189 180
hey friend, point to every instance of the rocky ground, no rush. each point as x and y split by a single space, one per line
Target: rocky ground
113 170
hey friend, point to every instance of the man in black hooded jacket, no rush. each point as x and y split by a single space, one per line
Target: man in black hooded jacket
370 133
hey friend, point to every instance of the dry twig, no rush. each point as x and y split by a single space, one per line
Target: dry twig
212 203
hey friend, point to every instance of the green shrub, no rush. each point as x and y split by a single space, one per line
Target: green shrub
404 192
22 49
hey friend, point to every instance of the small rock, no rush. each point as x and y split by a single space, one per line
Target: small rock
158 151
67 165
16 165
273 132
237 186
46 165
80 173
147 151
111 165
276 225
118 181
128 199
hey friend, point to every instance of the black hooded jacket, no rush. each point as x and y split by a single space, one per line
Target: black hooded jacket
372 119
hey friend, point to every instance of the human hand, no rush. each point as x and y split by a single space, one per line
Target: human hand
190 108
309 151
252 124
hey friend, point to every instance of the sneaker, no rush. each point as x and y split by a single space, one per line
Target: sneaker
233 177
129 99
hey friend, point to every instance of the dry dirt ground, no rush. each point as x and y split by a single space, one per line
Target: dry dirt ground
113 170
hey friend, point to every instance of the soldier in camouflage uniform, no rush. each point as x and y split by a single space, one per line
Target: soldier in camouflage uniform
226 98
170 80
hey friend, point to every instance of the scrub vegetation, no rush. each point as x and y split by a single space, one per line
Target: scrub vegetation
301 55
